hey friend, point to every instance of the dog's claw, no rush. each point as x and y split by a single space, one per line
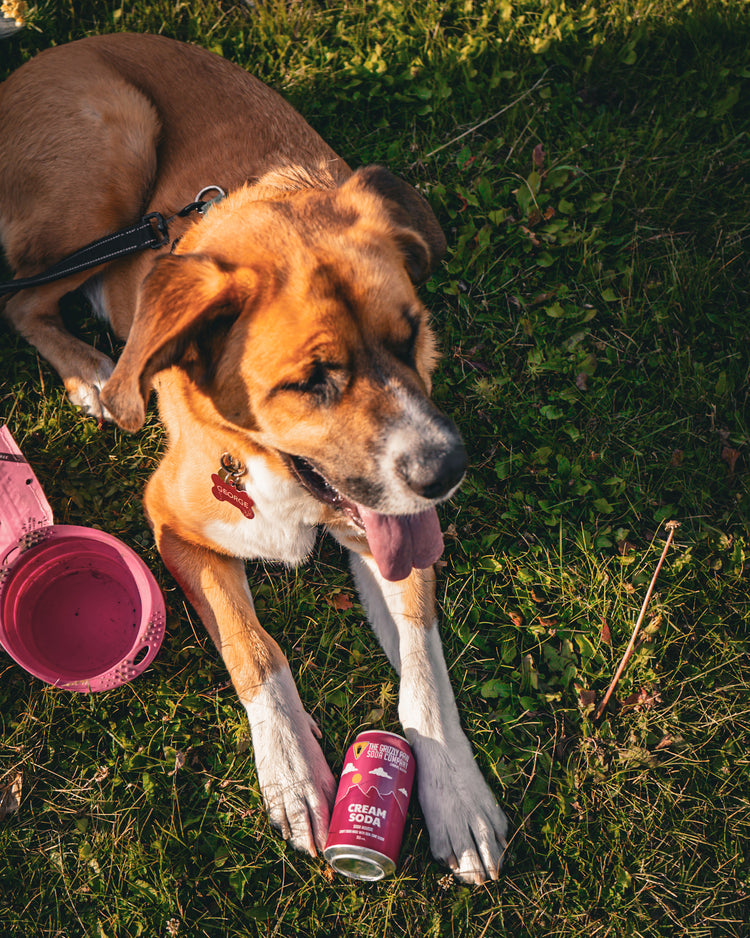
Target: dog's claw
468 828
317 732
481 861
300 813
476 844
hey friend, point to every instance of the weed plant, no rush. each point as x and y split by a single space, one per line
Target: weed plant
589 163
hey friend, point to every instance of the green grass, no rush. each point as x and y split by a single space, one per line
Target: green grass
593 309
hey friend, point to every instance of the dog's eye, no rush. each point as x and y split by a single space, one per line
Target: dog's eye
317 379
405 351
323 382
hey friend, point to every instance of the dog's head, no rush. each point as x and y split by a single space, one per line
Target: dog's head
298 321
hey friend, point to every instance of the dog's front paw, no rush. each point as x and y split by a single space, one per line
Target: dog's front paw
466 825
83 391
297 785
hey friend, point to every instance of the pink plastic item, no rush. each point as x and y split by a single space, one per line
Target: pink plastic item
78 608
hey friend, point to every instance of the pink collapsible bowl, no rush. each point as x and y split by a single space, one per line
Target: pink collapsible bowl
81 610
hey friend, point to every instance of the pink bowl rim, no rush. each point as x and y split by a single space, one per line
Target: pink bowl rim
151 630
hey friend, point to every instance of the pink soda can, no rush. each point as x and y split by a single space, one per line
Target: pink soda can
369 813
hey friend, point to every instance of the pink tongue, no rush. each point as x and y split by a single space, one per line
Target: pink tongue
400 542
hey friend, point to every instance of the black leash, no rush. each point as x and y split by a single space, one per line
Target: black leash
152 231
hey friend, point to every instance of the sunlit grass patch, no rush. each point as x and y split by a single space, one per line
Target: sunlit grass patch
588 163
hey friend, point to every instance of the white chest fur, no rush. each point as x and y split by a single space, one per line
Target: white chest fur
284 526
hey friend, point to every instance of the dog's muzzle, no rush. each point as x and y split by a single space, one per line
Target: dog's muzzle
433 470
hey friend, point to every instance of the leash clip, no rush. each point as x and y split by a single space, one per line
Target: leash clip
205 204
158 227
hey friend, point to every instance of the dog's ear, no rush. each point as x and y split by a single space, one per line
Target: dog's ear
183 296
419 235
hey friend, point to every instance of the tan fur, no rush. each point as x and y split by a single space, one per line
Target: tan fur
283 329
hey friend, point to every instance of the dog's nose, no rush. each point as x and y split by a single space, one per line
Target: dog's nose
432 471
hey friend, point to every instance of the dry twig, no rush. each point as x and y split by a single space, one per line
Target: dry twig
489 119
671 527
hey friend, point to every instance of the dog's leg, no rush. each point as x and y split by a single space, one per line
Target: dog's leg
297 785
78 151
83 369
467 828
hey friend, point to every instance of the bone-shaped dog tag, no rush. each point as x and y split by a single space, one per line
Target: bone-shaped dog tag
227 486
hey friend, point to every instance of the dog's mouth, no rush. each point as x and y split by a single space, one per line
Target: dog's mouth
398 543
319 487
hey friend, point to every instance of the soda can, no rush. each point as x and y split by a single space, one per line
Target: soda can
369 813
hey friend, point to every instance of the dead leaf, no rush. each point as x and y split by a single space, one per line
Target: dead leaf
538 156
730 457
542 298
582 381
340 601
535 216
646 698
531 236
677 457
548 622
516 618
606 635
476 365
586 698
10 796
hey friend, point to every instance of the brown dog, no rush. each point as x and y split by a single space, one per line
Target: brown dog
292 361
